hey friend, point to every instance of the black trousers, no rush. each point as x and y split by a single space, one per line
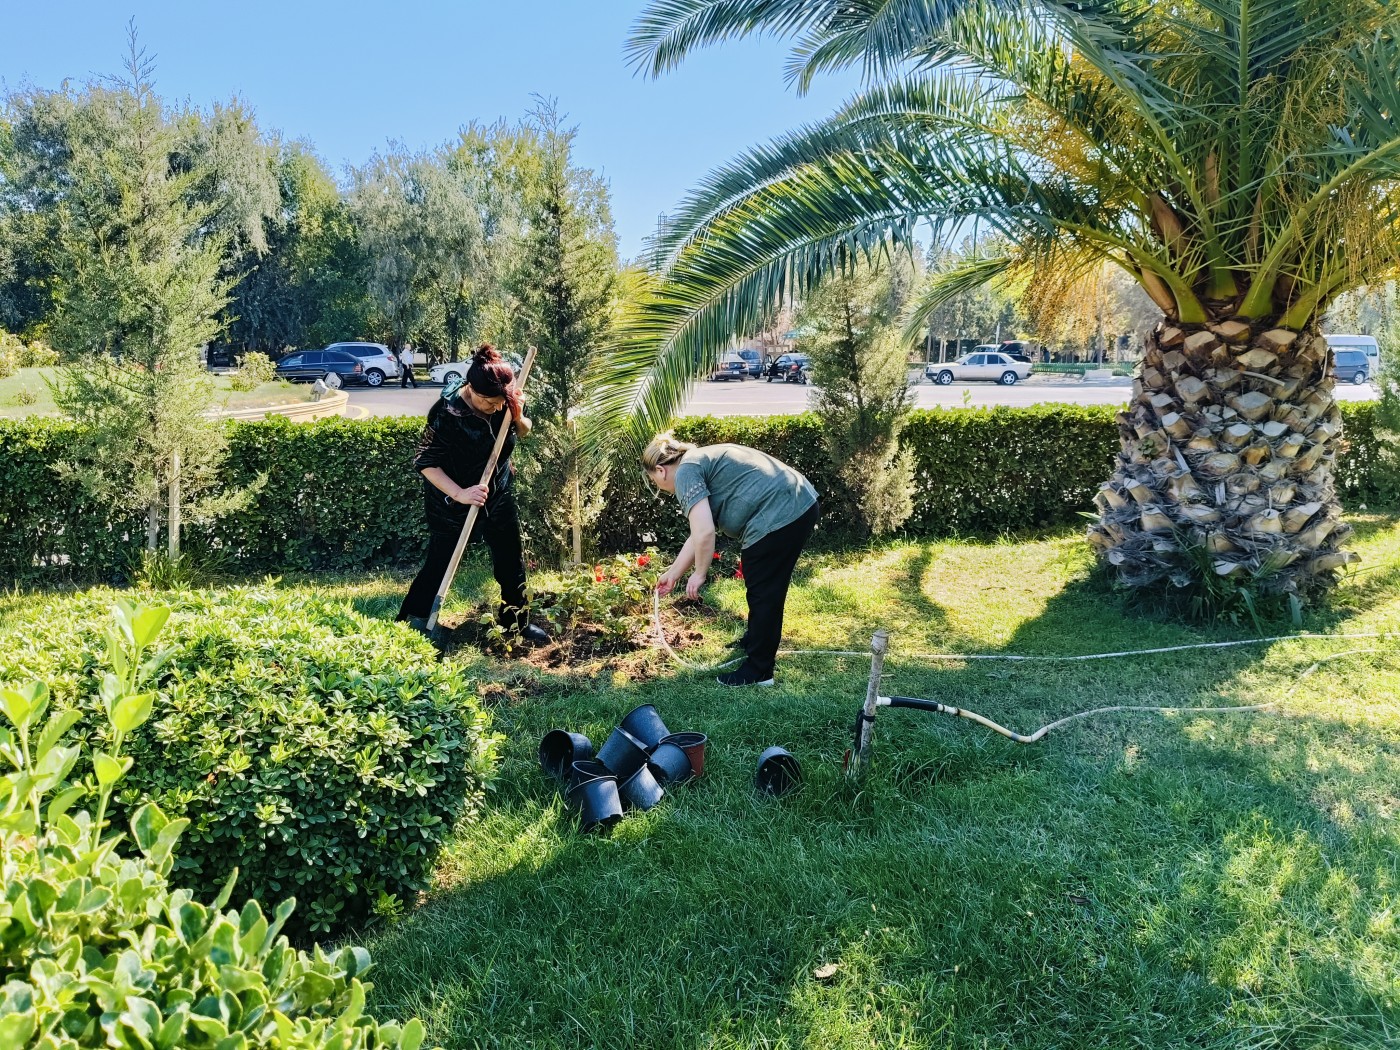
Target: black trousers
768 566
406 377
500 531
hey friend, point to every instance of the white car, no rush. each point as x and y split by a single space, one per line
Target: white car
379 361
991 366
445 371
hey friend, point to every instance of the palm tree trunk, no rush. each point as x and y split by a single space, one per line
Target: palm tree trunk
1225 471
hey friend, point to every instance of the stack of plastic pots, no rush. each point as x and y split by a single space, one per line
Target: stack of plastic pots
640 759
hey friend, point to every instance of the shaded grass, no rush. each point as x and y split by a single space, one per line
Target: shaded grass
1133 880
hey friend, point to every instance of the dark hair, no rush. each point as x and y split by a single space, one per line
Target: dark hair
491 376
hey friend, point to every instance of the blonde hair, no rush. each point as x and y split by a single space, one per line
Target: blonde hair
664 449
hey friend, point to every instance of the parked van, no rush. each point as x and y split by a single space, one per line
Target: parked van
1365 343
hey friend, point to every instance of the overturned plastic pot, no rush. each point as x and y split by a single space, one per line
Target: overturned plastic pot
693 744
560 749
622 753
645 724
778 772
640 790
670 764
589 769
598 803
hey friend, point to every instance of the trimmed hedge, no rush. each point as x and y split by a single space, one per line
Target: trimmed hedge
342 494
324 754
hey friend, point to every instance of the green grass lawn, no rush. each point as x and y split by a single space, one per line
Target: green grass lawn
1135 880
26 393
1131 881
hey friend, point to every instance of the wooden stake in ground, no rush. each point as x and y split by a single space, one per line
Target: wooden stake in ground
446 583
879 645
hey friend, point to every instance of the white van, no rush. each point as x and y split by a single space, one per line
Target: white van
1365 343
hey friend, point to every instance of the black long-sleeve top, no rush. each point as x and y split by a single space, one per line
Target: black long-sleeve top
459 441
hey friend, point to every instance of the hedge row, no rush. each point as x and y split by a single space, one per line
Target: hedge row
342 494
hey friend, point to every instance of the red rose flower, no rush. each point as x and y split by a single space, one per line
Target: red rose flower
643 561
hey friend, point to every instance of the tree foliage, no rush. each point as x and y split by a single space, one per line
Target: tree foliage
565 288
309 287
136 260
441 231
850 327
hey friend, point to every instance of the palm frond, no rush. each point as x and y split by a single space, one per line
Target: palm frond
945 287
942 113
669 30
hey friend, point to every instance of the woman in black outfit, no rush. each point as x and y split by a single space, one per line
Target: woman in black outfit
452 454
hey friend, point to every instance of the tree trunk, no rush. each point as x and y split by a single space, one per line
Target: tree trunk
174 514
1226 463
152 524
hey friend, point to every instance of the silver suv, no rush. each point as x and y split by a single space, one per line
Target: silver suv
380 363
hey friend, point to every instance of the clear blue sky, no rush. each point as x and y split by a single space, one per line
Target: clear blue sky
350 76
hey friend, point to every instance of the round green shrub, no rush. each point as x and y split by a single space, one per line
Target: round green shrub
38 354
324 754
255 370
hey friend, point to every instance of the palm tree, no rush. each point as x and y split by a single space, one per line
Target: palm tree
1238 158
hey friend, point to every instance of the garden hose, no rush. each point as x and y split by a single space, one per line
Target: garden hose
863 719
920 704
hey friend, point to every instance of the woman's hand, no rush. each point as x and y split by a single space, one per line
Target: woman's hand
668 580
475 494
693 585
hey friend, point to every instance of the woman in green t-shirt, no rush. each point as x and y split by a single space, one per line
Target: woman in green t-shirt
767 506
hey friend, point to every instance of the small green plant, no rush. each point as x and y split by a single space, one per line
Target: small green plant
255 370
97 949
25 396
612 597
192 568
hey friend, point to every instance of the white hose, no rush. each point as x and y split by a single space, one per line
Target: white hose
1031 738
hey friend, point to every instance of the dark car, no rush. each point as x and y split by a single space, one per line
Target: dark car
753 362
1016 349
1351 365
307 366
781 367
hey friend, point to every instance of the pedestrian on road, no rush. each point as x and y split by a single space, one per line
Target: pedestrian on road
769 507
452 455
406 367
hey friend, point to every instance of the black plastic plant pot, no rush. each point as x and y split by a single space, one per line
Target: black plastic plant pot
670 764
646 725
580 772
560 749
622 753
598 803
778 772
640 790
693 744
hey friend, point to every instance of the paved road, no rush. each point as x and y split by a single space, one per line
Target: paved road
756 398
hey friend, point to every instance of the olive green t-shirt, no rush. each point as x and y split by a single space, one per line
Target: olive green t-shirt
751 494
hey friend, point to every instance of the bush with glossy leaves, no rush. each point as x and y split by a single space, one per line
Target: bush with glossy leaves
324 754
97 949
